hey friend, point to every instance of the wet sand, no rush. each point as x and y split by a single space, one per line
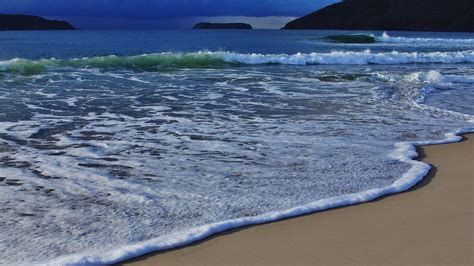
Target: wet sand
432 224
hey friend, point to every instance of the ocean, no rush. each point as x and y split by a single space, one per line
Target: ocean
114 144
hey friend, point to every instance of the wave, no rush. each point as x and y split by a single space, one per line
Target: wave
166 61
435 77
431 82
146 62
432 77
385 38
435 81
404 152
352 38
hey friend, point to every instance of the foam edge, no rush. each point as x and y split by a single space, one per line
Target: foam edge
404 152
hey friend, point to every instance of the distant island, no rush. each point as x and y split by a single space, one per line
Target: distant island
222 26
24 22
403 15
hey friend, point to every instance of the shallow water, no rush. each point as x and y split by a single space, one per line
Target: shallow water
113 144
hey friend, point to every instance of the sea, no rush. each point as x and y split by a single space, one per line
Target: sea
114 144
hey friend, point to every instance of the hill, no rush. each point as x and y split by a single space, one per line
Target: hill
403 15
24 22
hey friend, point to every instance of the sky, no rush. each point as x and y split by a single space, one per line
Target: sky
173 14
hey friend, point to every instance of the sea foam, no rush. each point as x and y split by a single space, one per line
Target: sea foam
107 161
435 77
386 38
403 151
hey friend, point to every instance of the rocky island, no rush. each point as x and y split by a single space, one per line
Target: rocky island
402 15
24 22
222 26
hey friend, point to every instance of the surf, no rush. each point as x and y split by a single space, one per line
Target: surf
386 38
361 38
204 59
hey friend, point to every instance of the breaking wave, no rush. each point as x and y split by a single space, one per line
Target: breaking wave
166 61
385 38
361 38
435 77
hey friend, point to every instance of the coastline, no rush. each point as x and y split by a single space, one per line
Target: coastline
429 224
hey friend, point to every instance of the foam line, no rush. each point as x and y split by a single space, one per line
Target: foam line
385 38
404 151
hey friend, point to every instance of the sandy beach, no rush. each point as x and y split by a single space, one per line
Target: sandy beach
432 224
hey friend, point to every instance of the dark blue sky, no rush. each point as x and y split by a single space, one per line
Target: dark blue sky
162 13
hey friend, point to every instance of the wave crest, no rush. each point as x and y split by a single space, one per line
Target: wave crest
361 38
146 62
435 77
385 38
166 61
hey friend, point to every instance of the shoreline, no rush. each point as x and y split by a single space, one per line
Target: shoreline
234 246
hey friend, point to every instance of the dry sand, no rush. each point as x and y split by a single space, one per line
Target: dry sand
432 224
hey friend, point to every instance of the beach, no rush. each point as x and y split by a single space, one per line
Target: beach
431 224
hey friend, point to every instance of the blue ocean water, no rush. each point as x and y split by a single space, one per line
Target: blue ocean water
114 144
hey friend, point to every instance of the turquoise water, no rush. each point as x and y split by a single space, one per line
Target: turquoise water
114 144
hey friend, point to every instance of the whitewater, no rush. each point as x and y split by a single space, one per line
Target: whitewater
115 147
163 61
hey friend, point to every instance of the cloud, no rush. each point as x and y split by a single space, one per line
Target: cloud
154 9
